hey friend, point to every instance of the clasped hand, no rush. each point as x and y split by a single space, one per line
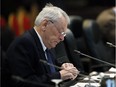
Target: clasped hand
68 71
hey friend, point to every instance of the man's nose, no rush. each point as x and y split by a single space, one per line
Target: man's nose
61 38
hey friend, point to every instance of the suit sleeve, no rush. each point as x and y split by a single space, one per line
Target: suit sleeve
23 62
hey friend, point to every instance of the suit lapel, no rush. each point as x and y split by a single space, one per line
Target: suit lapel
39 47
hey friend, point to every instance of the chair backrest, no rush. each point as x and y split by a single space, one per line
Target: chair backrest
92 36
97 48
76 25
65 51
70 45
61 53
91 28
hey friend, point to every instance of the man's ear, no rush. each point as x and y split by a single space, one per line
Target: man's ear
44 24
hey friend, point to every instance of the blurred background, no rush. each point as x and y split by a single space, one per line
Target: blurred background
15 12
17 16
84 8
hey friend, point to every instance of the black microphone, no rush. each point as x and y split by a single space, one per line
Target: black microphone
110 44
30 82
76 51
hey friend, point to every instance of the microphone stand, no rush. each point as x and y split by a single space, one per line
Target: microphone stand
56 81
76 51
89 80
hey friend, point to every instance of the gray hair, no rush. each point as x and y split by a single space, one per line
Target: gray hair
52 13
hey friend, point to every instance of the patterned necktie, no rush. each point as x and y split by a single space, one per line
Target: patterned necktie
49 60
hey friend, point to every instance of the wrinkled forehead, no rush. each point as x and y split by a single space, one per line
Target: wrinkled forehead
62 22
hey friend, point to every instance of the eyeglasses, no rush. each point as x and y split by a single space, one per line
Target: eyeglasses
61 33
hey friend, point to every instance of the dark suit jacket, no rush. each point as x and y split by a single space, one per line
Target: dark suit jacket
23 60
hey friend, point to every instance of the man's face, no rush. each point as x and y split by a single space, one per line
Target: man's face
54 32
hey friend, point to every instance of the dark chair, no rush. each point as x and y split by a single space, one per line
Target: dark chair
70 45
97 48
65 51
61 53
75 26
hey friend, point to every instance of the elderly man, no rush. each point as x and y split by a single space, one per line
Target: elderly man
25 53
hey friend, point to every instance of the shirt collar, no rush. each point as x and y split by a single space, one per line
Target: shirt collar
44 47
